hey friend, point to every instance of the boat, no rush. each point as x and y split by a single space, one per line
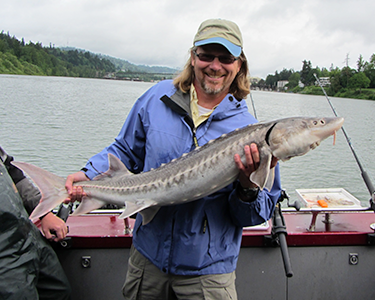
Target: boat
329 254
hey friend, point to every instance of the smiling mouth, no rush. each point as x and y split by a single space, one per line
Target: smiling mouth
214 76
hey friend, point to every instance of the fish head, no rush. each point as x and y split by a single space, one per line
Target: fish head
292 137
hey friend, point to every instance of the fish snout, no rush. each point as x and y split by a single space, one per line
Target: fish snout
325 127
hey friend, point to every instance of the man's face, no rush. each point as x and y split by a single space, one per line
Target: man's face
214 78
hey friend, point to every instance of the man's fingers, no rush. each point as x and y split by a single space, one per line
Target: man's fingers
255 155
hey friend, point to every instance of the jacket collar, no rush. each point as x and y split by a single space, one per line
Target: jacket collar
180 103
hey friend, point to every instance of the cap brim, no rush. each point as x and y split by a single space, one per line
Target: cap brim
232 48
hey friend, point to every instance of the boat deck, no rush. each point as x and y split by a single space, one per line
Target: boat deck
335 260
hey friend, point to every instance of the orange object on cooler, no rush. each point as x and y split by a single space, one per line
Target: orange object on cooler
322 203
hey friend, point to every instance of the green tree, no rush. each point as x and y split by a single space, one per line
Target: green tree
262 83
369 70
359 81
306 73
285 74
360 64
324 73
293 80
271 80
346 74
334 77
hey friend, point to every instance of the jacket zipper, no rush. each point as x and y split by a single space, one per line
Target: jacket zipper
190 122
195 140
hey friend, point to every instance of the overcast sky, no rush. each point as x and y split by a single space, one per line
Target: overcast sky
277 34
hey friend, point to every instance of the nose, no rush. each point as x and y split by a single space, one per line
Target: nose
216 64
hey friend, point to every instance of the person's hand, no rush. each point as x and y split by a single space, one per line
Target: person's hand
53 227
252 163
76 193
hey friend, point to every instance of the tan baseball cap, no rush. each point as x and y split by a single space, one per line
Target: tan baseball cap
219 31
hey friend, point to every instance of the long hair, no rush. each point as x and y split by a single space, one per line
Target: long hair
239 88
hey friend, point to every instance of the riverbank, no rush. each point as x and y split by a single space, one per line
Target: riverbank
365 94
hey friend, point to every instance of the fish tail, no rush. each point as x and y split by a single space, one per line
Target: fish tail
51 186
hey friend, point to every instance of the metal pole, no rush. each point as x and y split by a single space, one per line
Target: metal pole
364 174
252 102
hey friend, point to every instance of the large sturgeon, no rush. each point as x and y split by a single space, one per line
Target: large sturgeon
194 175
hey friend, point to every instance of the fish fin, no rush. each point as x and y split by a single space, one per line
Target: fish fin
132 208
270 179
148 212
115 166
260 175
87 205
51 186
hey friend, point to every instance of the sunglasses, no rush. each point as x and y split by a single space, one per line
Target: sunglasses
224 59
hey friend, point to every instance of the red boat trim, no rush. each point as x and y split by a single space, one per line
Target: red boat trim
346 228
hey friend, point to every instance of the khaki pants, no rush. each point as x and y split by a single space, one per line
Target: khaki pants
144 281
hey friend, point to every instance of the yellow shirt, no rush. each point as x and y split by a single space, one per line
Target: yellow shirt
199 113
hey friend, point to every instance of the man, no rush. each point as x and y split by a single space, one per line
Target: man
29 268
190 251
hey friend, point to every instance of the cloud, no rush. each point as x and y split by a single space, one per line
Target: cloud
277 34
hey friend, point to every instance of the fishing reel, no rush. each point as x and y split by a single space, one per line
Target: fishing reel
63 213
283 195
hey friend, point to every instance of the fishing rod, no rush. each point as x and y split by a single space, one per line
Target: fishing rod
364 174
252 102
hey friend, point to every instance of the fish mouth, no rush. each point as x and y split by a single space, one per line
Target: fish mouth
317 143
332 127
314 145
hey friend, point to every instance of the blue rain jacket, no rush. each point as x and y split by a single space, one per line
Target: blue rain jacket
199 237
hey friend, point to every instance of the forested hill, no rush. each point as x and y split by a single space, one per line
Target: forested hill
18 57
129 67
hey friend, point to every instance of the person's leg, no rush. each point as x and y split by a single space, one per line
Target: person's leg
144 281
18 278
208 287
52 282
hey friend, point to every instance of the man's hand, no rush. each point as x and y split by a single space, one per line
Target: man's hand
252 163
76 193
53 227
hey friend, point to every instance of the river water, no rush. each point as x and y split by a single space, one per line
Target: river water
57 123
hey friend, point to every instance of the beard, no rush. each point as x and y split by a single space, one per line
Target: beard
212 90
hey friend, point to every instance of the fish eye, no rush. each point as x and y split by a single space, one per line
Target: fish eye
315 122
322 122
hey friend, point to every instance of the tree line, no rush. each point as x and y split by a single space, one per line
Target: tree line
18 57
345 82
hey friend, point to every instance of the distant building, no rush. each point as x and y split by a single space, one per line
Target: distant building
281 85
324 81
